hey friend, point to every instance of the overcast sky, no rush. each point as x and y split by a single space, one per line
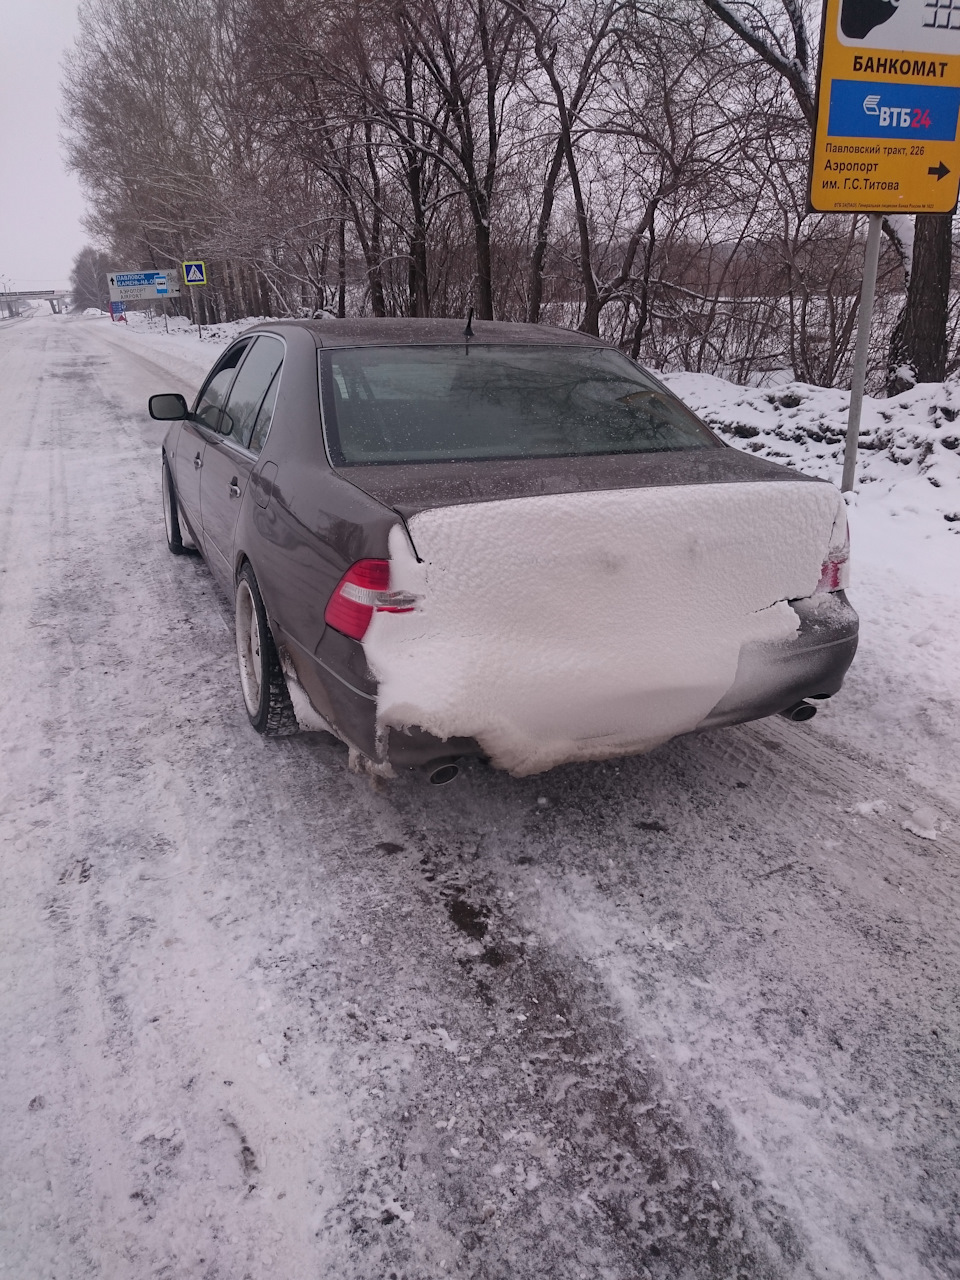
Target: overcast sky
40 205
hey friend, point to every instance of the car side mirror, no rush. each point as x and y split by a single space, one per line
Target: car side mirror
170 406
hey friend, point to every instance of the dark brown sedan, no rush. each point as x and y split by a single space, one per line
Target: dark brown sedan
509 541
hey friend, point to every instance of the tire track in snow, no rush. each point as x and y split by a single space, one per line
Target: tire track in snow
125 1107
786 972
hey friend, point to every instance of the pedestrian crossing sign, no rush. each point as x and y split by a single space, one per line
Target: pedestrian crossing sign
195 272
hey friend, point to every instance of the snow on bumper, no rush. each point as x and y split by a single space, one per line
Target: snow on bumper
589 625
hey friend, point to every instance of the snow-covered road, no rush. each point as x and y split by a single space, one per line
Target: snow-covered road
689 1015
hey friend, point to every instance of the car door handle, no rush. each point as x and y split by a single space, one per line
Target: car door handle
197 463
234 488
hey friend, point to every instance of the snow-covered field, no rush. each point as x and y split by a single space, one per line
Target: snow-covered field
686 1015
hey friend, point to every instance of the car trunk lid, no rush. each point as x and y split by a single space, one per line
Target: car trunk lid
409 488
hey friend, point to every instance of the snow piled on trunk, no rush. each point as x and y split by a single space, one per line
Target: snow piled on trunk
585 626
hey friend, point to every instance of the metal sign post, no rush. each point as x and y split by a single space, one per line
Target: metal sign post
887 132
867 293
194 273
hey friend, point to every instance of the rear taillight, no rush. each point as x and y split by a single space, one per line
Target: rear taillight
835 570
362 591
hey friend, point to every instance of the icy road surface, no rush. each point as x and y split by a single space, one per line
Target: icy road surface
692 1015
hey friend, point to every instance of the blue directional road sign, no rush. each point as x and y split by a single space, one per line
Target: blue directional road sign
142 286
195 272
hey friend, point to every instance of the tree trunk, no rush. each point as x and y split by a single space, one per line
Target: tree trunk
643 305
919 339
535 302
342 268
484 302
320 302
592 307
375 252
418 277
418 281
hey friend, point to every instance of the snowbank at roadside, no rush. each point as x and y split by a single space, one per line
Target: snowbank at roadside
909 461
179 339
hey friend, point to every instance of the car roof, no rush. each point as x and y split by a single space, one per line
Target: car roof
371 332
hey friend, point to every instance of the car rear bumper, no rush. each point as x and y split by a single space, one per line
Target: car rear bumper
811 664
770 678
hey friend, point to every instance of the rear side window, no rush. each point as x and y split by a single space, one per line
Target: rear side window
265 416
211 399
468 403
257 375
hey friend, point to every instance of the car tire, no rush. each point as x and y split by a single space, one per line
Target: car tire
171 513
262 681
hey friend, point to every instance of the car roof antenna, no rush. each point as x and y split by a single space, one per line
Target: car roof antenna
468 331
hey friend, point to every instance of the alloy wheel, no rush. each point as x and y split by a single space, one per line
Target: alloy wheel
248 648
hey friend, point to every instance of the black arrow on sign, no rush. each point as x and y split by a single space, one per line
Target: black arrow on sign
940 171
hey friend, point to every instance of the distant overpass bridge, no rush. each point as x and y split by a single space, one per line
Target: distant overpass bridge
10 302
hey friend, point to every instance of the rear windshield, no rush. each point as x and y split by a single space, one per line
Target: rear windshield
453 403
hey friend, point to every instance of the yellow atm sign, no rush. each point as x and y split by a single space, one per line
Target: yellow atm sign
888 108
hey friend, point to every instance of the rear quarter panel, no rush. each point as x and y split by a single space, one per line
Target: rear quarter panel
301 529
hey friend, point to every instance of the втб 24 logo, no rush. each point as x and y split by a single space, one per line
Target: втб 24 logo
896 117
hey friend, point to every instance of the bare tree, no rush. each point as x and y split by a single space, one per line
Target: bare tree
777 33
88 279
634 169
